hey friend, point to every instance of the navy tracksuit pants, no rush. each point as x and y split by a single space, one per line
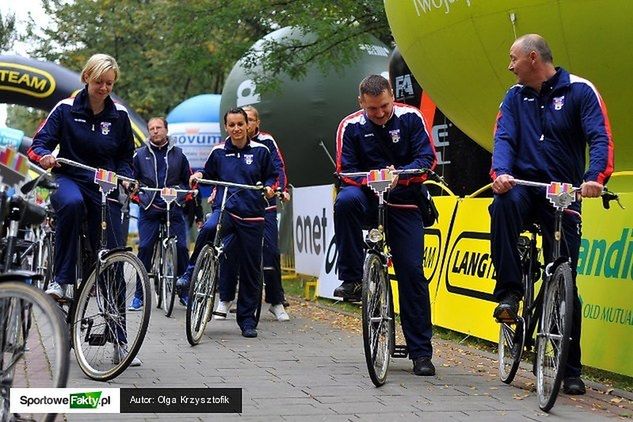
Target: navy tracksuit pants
509 214
242 240
272 265
75 202
149 223
356 208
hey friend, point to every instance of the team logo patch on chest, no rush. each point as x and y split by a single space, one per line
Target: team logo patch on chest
248 158
395 135
105 127
558 102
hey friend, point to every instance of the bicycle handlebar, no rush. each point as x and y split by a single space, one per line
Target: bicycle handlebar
430 173
259 185
606 195
147 188
89 168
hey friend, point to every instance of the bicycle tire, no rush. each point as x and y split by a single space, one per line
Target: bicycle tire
170 267
46 340
202 290
553 336
377 318
46 259
157 274
101 323
510 349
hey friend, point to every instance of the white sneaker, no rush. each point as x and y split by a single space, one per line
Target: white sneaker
120 353
222 310
279 312
55 289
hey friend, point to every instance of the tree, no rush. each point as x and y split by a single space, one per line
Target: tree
8 33
26 119
169 51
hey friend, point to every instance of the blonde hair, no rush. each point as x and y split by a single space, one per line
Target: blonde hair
97 65
248 108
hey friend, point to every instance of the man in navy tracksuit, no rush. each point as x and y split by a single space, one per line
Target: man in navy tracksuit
160 164
543 127
382 135
238 160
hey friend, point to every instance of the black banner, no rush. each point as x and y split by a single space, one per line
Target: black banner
181 400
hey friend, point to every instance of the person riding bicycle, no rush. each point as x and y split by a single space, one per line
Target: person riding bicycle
94 130
386 135
271 257
238 160
160 164
542 129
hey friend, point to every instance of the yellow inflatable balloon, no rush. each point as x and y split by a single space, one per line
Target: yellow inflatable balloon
458 51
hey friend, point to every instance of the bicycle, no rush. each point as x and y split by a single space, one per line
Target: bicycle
550 312
165 256
96 308
204 280
378 320
33 337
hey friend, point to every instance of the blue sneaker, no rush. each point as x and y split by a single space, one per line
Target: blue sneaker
136 305
182 283
184 299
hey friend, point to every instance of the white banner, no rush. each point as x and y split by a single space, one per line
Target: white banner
196 140
65 400
313 227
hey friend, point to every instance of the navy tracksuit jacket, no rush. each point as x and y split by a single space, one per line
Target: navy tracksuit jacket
543 136
243 221
159 167
104 141
361 146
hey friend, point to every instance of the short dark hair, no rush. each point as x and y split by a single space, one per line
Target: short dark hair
534 42
374 85
162 119
236 110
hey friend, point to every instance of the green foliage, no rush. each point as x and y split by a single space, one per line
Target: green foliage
169 51
8 33
26 119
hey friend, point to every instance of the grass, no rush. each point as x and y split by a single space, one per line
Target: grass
293 287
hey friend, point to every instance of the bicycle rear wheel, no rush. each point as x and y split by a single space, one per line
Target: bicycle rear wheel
510 349
105 335
45 258
202 291
553 336
378 336
33 344
168 280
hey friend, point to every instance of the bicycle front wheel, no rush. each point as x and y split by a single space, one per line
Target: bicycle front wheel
378 335
157 274
510 349
553 336
106 336
170 265
33 344
202 291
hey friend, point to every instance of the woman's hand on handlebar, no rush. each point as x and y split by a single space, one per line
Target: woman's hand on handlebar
193 179
269 192
48 161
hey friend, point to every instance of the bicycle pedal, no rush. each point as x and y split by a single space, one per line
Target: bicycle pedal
400 351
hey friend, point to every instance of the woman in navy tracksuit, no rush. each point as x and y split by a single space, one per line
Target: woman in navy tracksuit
91 129
238 160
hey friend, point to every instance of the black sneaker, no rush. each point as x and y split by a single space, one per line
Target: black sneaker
423 366
574 386
508 309
349 290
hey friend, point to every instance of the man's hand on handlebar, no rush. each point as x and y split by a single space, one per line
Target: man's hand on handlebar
269 192
591 189
394 182
48 161
503 183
